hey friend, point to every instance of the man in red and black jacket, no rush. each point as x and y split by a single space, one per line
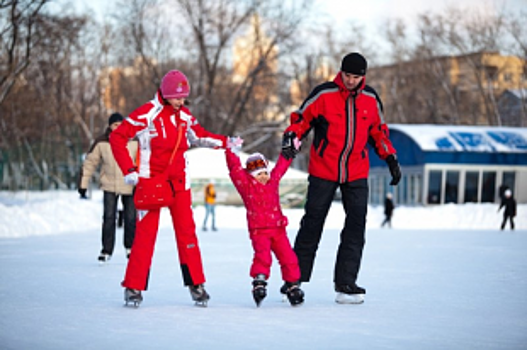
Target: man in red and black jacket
346 115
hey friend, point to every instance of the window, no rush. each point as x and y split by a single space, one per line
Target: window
411 189
471 186
488 189
509 179
434 186
451 186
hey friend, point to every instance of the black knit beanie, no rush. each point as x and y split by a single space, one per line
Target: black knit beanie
114 118
354 63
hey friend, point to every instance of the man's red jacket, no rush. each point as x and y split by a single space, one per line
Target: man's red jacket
344 122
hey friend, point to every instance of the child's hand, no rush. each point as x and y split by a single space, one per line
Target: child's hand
235 144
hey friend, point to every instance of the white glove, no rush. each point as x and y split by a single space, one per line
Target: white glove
235 144
132 178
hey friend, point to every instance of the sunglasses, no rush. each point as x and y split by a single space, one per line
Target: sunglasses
256 164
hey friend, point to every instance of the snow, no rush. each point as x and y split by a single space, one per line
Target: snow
444 278
207 163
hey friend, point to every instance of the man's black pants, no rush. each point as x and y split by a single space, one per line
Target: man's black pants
320 195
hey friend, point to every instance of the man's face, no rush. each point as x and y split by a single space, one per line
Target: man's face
351 81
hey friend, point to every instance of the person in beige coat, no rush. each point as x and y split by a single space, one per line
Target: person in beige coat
112 183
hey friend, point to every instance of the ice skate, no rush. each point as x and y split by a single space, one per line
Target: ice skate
294 294
132 296
104 258
349 294
259 290
199 295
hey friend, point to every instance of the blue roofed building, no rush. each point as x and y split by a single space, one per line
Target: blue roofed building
453 164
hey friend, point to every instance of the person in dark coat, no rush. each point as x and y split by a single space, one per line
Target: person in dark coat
510 209
388 210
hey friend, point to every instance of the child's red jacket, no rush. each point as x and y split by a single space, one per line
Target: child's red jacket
261 201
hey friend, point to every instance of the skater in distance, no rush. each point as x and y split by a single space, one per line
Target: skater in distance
113 186
258 187
345 114
388 210
165 129
210 206
510 209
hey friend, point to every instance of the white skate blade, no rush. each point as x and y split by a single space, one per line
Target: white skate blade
201 303
343 298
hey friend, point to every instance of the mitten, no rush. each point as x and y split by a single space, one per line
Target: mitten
290 145
395 169
131 178
235 144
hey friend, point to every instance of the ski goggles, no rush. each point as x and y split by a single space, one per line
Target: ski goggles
256 164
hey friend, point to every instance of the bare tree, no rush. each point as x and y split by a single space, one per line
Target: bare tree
18 38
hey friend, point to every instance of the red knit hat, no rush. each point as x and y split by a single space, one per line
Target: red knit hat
175 85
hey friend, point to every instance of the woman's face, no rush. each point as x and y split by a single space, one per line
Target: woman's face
176 102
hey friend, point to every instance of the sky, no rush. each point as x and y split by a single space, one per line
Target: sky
371 13
443 278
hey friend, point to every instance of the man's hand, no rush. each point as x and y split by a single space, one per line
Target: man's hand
395 169
131 178
290 145
82 192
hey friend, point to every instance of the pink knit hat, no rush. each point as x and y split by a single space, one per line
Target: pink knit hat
175 85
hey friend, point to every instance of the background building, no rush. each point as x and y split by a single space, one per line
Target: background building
453 164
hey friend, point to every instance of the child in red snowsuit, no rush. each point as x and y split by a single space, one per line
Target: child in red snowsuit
267 225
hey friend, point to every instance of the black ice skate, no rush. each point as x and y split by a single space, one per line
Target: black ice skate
199 295
294 294
104 258
132 296
349 294
259 291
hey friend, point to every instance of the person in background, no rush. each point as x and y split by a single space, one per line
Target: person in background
164 128
510 208
345 114
258 186
112 183
210 205
388 210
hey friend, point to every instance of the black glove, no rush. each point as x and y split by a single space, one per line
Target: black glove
82 192
288 145
395 169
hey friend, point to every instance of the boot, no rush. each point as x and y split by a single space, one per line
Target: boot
259 290
295 295
349 294
132 296
199 294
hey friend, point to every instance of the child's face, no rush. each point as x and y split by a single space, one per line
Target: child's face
262 177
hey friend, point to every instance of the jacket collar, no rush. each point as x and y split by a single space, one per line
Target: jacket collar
343 90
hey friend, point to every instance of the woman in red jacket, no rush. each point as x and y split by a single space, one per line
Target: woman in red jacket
258 188
162 125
